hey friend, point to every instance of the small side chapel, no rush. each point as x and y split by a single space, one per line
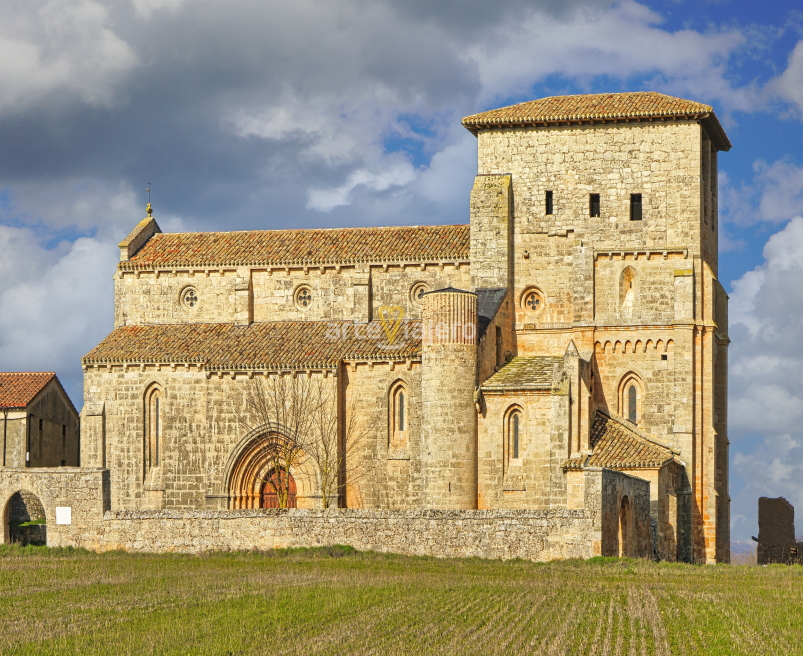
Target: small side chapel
576 322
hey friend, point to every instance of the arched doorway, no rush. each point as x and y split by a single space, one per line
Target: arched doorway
26 519
252 466
269 498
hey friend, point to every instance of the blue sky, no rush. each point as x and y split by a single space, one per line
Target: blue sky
265 114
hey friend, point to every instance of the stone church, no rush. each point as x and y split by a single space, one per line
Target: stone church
576 322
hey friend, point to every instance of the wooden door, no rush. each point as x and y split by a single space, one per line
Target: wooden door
269 497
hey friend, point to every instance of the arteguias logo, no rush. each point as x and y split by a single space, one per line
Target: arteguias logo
391 318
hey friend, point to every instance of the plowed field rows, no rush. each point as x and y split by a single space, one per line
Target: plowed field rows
336 601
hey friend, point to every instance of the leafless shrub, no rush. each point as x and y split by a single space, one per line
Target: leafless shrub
299 423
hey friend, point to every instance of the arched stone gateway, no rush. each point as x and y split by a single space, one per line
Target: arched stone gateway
25 519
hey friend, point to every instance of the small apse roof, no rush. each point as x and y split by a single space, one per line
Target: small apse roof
636 106
618 446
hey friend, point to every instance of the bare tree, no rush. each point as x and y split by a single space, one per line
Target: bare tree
333 450
279 406
300 422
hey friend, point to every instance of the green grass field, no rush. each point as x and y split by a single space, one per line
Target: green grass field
337 601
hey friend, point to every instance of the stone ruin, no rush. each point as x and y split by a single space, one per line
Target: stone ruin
776 533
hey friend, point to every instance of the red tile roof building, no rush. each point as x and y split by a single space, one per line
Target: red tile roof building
40 424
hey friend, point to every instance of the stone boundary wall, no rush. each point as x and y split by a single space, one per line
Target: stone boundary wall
529 534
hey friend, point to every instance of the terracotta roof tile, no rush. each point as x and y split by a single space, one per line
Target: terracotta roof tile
617 446
521 372
637 106
305 247
270 345
17 390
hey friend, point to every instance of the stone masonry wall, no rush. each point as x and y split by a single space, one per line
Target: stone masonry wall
54 430
201 433
530 534
523 482
244 295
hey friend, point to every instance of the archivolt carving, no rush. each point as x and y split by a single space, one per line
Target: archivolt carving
248 469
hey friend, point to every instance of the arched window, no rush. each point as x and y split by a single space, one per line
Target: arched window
513 435
153 427
627 291
399 414
632 403
631 396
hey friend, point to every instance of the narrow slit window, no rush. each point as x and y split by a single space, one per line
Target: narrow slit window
635 207
516 435
548 203
594 204
153 428
398 415
158 431
401 411
632 399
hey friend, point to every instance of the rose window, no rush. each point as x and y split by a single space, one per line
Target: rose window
417 292
303 297
533 301
189 298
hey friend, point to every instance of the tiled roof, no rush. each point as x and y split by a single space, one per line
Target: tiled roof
534 372
259 346
304 247
617 446
631 106
17 390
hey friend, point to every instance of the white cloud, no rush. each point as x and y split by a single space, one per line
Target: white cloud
774 194
397 173
147 8
766 377
61 46
789 84
621 41
59 311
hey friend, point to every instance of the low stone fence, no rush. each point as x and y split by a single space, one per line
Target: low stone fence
529 534
76 506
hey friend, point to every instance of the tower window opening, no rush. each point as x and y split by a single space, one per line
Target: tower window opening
635 207
548 203
594 204
515 431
